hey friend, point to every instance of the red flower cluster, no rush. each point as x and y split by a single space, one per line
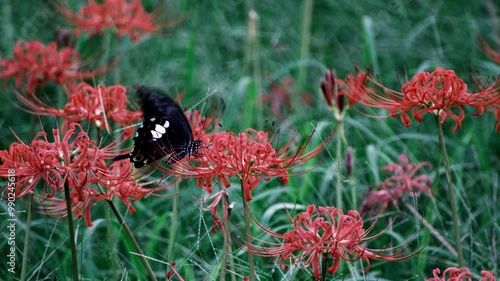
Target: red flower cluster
95 104
126 17
404 180
35 64
74 160
121 182
199 124
439 93
322 233
460 274
248 155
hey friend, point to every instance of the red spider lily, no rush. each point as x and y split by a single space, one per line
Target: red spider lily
199 124
404 176
335 90
323 233
74 160
122 183
95 104
492 54
459 274
403 180
280 93
487 276
126 17
35 64
118 181
454 274
438 92
81 200
248 155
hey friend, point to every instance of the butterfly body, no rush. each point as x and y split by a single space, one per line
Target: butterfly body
165 132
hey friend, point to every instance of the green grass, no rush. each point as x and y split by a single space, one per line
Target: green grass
211 52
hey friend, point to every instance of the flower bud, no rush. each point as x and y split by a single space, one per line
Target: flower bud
349 161
328 87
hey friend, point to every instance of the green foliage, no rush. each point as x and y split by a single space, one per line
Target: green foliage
206 54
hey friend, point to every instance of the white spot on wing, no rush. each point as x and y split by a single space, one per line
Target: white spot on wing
160 129
155 134
152 119
167 124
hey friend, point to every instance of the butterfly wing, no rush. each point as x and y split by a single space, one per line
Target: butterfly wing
165 131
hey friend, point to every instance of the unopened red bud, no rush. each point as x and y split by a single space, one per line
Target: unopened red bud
349 161
63 38
328 88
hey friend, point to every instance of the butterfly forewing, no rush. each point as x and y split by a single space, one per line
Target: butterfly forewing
165 132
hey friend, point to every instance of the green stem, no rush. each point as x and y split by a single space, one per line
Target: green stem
26 248
173 225
352 180
130 235
304 42
451 193
227 239
109 228
354 193
71 231
27 240
232 267
339 186
324 267
248 230
253 64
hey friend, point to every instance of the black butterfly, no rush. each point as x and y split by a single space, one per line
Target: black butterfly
165 132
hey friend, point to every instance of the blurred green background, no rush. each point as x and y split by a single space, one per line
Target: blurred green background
219 49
